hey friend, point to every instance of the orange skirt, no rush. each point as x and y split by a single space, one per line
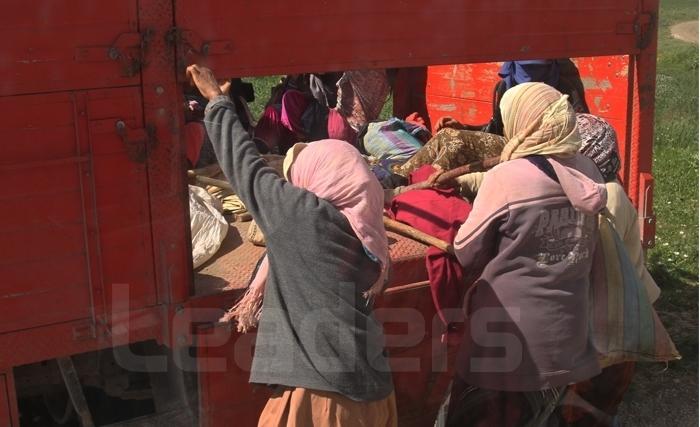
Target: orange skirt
299 407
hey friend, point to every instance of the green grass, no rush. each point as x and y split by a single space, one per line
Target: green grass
263 87
674 260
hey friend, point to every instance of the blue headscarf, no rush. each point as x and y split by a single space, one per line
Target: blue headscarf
542 70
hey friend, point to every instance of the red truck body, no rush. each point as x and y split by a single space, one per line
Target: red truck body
95 239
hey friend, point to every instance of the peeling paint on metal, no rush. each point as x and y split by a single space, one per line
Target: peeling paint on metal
592 83
444 107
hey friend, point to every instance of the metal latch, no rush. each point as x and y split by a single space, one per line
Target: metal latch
128 49
646 208
642 27
192 48
138 142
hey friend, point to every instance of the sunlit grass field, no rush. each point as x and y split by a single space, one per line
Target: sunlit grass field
674 260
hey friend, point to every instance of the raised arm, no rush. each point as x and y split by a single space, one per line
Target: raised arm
269 198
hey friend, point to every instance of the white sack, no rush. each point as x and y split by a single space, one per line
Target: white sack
207 225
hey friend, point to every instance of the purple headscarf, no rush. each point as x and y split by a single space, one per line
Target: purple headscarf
541 70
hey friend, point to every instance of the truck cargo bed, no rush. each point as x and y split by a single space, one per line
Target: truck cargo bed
232 266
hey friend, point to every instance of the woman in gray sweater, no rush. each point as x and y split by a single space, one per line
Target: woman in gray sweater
318 344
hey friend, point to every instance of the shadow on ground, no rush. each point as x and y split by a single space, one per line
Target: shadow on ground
668 395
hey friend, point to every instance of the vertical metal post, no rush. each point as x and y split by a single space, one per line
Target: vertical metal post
643 97
75 390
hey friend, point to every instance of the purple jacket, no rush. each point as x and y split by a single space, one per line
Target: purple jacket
529 242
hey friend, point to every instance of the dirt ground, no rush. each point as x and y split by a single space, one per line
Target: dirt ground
686 31
662 396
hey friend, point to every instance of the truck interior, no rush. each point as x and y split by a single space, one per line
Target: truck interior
464 91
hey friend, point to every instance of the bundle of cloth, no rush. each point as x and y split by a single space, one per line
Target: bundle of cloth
439 213
390 143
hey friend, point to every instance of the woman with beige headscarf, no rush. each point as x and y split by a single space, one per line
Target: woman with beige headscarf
528 243
555 137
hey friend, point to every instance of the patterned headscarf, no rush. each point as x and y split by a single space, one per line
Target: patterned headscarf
599 143
538 119
362 95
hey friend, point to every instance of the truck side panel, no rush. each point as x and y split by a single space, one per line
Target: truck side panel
50 46
77 215
252 38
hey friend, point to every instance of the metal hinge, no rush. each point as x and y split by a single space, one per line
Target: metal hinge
128 49
138 142
643 27
191 48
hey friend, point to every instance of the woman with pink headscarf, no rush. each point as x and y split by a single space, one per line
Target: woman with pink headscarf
318 344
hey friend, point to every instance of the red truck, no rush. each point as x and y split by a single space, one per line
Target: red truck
104 321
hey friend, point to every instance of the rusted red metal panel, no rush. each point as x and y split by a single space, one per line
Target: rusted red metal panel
464 92
81 336
224 358
44 227
121 195
56 45
77 219
607 84
162 110
643 72
258 38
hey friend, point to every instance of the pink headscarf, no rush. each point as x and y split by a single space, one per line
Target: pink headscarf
334 171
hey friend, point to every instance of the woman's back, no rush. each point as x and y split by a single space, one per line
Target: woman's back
316 330
531 238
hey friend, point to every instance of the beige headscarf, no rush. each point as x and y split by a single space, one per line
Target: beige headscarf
538 119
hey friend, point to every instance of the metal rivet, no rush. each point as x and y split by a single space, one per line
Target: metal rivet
113 53
159 90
